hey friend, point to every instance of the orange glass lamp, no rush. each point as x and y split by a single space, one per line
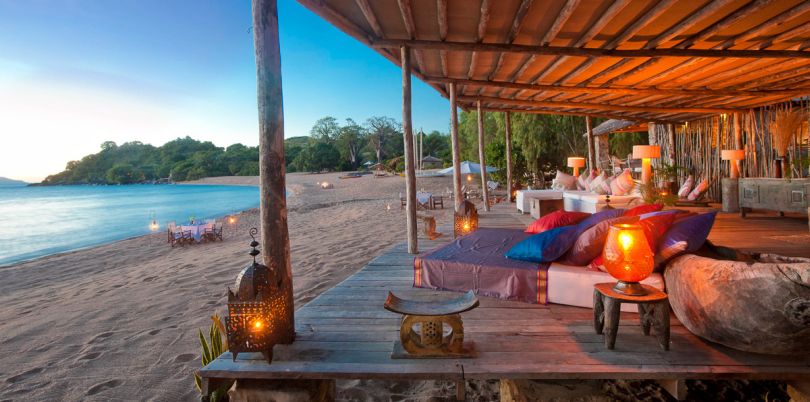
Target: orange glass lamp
733 155
576 162
628 258
645 153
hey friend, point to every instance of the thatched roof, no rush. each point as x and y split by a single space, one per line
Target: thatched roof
643 60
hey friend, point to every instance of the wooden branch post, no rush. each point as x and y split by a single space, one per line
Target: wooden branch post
407 132
591 144
457 195
738 141
481 157
507 120
671 143
275 239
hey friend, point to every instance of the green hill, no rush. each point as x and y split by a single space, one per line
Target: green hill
4 181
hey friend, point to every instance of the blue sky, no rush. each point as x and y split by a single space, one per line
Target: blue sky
75 73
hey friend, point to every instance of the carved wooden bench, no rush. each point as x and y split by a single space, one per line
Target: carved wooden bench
430 341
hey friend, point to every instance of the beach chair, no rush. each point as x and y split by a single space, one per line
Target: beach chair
175 235
208 230
438 200
217 231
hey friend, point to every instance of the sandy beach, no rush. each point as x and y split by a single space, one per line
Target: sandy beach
120 321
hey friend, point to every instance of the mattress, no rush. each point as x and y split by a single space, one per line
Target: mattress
573 285
476 262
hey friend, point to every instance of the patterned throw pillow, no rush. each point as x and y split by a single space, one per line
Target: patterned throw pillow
600 184
622 184
693 230
683 192
556 219
584 181
698 191
564 181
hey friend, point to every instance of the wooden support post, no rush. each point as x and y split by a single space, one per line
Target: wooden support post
458 196
275 239
407 132
738 141
671 143
591 144
482 157
508 137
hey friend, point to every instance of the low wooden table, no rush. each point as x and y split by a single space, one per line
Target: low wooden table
653 310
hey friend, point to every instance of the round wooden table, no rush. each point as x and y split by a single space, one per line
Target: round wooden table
653 310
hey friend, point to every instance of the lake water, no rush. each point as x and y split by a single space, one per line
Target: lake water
37 221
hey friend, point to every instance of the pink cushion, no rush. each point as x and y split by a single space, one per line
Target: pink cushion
590 243
556 219
683 192
622 184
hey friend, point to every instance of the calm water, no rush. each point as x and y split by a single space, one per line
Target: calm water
37 221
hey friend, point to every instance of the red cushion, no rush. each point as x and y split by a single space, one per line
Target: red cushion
654 228
643 209
556 219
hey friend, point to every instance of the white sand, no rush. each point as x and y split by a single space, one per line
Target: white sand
120 321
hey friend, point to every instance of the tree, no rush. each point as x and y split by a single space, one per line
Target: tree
123 174
325 129
349 142
381 134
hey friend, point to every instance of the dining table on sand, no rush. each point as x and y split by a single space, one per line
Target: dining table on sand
424 199
197 231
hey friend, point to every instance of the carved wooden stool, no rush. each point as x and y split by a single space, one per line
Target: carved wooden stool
431 341
653 310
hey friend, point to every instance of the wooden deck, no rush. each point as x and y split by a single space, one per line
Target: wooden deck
346 334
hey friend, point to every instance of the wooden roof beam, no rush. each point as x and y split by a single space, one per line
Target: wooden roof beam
569 113
587 52
517 23
596 106
768 25
483 19
614 90
441 17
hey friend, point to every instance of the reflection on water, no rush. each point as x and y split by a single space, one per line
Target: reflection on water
37 221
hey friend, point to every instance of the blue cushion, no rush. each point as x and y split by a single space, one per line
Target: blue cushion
600 216
547 246
692 230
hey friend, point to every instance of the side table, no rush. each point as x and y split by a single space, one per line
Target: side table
653 310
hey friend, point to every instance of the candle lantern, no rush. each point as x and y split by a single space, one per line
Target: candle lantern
628 258
253 321
465 220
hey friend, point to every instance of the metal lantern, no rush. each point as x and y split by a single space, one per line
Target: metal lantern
252 322
465 220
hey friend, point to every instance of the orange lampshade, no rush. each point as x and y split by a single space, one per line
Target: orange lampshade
732 154
646 151
628 257
576 161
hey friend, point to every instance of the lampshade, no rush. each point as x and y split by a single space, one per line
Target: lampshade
646 151
576 161
732 154
628 257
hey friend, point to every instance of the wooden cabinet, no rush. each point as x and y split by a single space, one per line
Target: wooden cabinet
774 194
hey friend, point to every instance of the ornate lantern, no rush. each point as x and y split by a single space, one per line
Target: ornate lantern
628 258
465 220
251 323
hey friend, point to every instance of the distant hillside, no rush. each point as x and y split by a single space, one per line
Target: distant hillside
4 181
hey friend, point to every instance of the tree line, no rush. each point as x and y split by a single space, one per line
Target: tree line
541 144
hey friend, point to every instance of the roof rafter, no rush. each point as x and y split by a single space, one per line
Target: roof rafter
595 106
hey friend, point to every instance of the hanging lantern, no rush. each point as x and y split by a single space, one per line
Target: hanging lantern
154 226
465 220
253 323
628 258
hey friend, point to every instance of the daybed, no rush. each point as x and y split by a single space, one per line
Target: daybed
477 262
586 201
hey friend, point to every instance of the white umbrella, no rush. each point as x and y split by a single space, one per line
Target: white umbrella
468 167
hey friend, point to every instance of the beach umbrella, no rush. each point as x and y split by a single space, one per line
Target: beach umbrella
468 167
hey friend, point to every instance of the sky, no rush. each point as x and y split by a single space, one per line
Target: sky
76 73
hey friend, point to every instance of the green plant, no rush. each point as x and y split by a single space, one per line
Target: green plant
653 195
669 172
213 347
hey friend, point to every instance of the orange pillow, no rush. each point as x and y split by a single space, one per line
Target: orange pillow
556 219
643 209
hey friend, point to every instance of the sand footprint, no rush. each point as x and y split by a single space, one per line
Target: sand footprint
100 337
24 375
184 358
90 356
102 386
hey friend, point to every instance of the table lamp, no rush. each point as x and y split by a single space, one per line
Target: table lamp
645 153
576 162
628 258
733 155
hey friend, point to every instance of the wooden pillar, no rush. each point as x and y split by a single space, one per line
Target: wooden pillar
481 157
407 132
671 143
601 145
275 239
508 134
591 144
738 140
459 197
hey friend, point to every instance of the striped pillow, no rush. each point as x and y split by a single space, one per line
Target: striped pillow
623 183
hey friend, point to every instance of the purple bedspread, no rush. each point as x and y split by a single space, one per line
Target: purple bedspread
476 262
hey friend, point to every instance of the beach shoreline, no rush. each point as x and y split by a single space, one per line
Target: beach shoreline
121 319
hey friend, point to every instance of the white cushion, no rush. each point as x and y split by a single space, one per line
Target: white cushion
699 190
623 183
600 184
564 181
686 188
573 286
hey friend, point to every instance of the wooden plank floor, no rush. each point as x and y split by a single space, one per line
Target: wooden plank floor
346 334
